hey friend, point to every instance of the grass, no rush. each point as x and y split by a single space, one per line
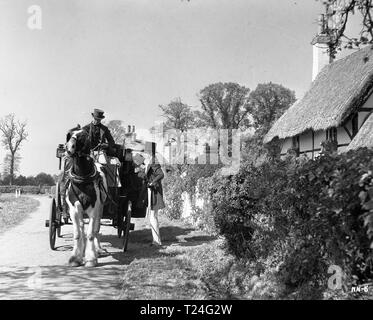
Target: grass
14 210
195 265
192 265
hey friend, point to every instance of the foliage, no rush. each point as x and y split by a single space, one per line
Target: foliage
7 163
173 189
305 215
13 134
340 12
224 105
268 102
178 115
41 179
183 179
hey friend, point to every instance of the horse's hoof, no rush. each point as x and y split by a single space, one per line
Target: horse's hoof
102 252
75 262
91 263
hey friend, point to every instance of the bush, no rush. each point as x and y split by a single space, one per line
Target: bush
173 188
304 215
183 178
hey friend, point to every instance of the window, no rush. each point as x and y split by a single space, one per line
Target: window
295 144
331 134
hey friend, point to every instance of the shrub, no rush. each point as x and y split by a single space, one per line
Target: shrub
306 215
173 188
183 178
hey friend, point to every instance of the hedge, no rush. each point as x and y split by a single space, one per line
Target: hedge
304 215
26 189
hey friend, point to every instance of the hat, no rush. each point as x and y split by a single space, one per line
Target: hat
138 159
98 114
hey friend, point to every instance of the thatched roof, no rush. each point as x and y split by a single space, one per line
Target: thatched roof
364 137
338 89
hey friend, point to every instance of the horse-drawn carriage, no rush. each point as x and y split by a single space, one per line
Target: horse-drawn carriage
121 196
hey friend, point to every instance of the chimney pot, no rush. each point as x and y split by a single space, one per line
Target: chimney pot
321 24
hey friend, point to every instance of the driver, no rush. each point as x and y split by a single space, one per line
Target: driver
99 134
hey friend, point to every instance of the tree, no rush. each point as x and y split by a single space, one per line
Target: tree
44 179
117 130
7 164
14 133
178 115
31 181
267 103
20 180
338 13
224 106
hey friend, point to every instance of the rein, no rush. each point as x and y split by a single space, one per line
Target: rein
83 179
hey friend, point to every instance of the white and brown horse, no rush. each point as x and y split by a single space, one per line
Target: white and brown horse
86 193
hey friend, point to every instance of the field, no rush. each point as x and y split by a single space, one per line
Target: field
14 210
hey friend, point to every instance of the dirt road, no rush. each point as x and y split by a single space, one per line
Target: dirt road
29 269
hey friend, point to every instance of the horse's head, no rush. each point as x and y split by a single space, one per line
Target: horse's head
78 143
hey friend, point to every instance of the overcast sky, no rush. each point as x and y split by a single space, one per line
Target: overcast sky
129 56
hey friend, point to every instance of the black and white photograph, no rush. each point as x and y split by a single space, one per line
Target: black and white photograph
186 154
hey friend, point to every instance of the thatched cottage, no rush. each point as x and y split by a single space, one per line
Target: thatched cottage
337 107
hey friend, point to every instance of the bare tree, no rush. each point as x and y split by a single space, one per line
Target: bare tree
13 134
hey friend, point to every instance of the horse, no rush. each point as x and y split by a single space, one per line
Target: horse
86 193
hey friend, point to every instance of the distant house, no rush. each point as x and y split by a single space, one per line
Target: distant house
337 107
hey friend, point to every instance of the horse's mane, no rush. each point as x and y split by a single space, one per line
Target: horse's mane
83 143
71 131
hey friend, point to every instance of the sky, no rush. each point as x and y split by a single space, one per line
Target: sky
129 56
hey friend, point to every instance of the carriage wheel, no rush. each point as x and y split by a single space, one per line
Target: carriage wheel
59 220
120 216
52 224
127 225
120 228
58 209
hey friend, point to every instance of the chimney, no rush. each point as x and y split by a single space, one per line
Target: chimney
133 128
133 137
321 43
129 129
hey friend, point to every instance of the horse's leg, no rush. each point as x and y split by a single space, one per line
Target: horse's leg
90 250
97 226
76 258
101 197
